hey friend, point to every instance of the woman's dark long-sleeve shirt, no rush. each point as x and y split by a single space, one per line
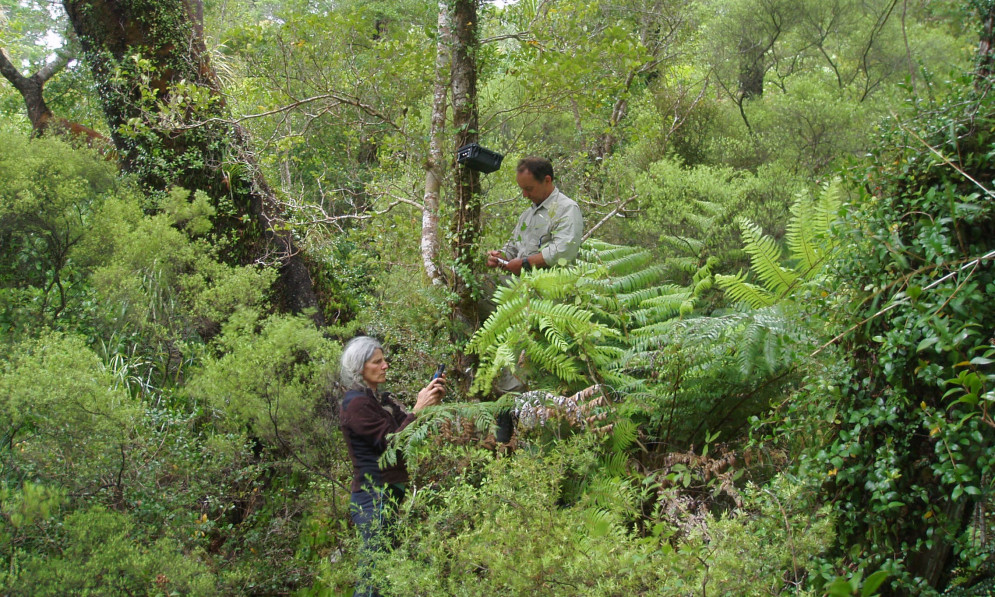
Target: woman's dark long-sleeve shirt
366 422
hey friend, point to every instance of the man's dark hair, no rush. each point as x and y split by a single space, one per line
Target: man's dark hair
539 168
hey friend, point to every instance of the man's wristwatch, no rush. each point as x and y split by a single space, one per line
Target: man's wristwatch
526 264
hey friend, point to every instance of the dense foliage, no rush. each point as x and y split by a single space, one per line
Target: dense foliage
768 372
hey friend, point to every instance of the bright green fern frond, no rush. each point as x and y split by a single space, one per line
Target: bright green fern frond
614 463
608 355
570 321
712 208
633 299
827 205
630 263
552 334
739 290
801 234
549 359
682 244
605 253
623 435
636 279
765 258
699 221
506 315
557 282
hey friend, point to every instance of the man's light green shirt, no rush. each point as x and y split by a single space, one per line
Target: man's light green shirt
553 228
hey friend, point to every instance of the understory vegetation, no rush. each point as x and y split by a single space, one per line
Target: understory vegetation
769 371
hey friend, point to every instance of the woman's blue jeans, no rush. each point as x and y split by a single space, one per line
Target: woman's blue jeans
372 510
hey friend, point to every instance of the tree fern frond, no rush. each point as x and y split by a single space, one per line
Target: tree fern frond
552 334
699 221
801 234
684 264
605 253
545 357
633 299
765 258
635 280
827 205
712 208
624 433
739 290
629 263
682 244
506 314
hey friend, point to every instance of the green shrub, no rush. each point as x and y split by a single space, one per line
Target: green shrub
48 192
62 416
96 551
554 520
272 378
908 454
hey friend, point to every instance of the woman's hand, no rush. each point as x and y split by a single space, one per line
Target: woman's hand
431 394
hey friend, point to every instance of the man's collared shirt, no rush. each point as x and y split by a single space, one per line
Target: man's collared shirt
553 228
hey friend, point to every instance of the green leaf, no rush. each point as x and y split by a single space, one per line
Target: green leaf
839 588
872 583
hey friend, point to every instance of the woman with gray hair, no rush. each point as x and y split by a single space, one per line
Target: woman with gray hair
367 417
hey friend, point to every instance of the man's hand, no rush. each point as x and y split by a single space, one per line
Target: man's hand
494 259
514 266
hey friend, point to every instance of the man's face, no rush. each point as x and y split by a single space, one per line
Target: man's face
532 189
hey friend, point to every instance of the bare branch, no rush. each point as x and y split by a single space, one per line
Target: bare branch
618 209
520 36
338 97
61 60
9 71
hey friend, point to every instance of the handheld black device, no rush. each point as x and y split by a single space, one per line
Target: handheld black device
439 371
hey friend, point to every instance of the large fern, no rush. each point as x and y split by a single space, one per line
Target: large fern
615 319
724 368
571 326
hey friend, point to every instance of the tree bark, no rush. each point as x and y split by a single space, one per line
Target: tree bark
434 164
466 219
163 103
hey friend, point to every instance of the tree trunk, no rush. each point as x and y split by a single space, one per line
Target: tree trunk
986 49
466 219
751 69
436 157
163 102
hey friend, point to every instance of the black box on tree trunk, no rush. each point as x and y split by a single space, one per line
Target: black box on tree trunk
479 158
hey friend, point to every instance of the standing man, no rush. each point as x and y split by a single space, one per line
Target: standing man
549 231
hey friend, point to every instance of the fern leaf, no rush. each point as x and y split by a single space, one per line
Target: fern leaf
765 259
739 290
801 233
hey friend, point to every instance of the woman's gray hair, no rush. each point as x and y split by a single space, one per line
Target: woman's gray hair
355 354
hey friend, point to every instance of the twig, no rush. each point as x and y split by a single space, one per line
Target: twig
942 157
618 209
